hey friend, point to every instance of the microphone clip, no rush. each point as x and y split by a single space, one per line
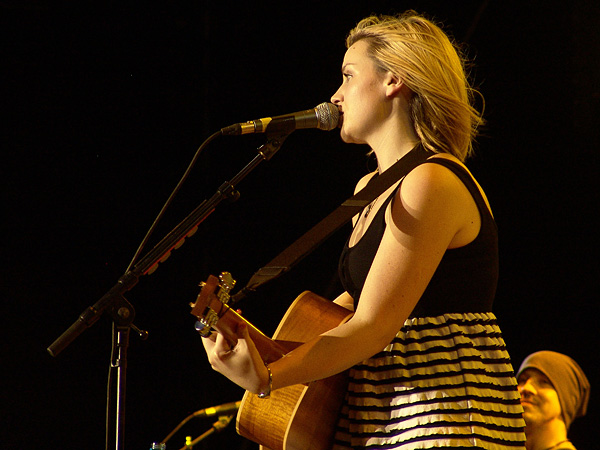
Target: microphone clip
274 142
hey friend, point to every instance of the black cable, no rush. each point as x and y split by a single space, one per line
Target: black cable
170 199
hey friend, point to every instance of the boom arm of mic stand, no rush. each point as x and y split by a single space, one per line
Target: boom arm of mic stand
113 301
121 310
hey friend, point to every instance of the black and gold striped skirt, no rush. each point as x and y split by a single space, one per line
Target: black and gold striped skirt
443 382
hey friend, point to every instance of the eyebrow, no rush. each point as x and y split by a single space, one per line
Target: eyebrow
347 64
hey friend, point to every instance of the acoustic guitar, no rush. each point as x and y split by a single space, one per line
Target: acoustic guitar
298 417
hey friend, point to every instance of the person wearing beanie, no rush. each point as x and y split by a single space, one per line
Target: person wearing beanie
554 391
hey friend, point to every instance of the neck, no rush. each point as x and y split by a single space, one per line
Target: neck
393 139
386 160
393 146
545 437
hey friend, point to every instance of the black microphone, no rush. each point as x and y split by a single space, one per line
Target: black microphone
324 117
220 410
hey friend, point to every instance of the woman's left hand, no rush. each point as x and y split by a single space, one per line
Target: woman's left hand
241 362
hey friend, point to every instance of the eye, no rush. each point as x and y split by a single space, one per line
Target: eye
347 76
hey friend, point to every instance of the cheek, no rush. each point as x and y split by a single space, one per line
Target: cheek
555 407
551 404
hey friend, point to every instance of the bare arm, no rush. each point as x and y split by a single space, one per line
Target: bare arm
426 215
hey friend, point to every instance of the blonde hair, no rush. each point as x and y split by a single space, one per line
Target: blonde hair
432 67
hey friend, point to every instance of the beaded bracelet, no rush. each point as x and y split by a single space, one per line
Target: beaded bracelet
267 392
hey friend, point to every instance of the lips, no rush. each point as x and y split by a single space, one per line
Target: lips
340 118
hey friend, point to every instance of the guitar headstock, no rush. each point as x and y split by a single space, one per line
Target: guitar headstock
211 302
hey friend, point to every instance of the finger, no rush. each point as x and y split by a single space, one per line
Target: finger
244 337
222 345
242 331
209 343
212 336
241 345
246 345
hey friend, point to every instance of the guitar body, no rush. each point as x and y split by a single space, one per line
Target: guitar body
299 417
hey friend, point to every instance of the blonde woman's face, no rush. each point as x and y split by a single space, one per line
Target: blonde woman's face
360 97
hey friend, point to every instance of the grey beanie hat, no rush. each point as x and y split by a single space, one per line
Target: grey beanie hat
567 378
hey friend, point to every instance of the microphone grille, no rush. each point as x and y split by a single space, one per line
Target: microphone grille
327 116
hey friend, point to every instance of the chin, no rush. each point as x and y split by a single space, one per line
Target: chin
345 137
349 139
531 420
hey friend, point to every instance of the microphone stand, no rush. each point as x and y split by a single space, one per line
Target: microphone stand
122 311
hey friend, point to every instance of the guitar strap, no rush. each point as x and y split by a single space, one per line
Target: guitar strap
338 217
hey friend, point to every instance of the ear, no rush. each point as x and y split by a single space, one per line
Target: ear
393 84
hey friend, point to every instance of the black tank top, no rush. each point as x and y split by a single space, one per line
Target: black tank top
466 278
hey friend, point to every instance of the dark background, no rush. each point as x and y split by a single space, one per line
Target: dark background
104 105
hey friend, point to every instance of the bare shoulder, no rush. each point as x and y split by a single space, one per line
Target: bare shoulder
459 185
435 200
432 183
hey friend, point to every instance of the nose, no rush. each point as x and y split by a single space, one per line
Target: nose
526 387
336 98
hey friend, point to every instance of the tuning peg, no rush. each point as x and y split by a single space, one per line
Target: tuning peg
226 281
